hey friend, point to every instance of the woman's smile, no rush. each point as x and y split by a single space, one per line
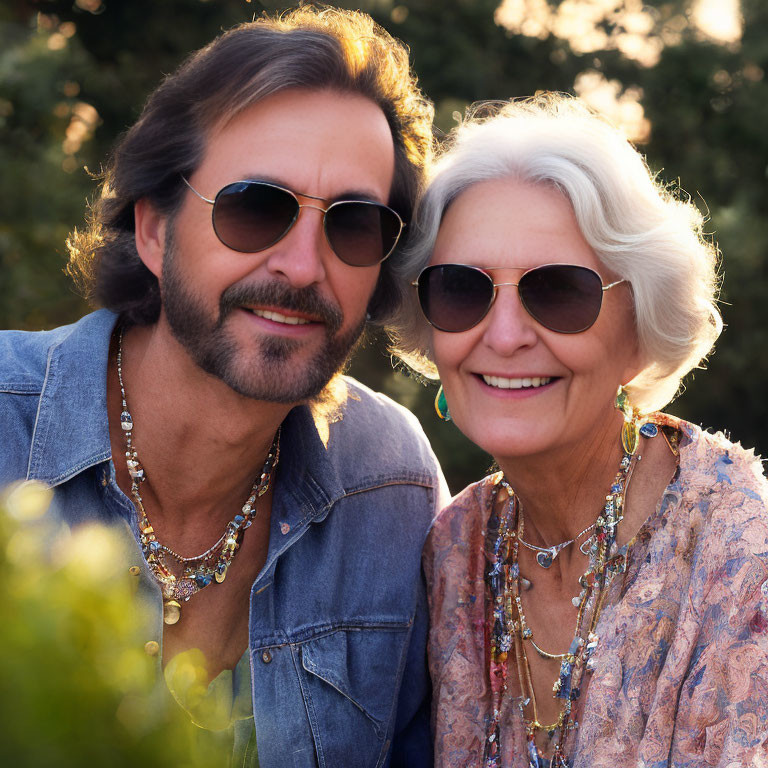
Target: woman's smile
515 387
516 382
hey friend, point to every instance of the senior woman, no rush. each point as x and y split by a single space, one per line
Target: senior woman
600 600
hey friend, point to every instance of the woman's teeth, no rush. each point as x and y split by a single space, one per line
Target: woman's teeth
502 383
278 318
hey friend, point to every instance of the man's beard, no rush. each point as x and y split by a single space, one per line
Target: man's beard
271 376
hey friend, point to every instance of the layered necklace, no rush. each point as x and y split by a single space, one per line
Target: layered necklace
506 627
196 572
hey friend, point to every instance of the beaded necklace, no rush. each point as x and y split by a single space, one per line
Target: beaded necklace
506 626
198 571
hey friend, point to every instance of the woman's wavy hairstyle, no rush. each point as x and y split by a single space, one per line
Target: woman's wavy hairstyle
639 229
310 47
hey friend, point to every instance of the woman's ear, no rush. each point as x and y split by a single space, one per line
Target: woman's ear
150 235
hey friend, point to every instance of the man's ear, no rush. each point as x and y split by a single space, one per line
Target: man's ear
150 235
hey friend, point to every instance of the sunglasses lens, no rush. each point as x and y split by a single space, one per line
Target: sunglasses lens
361 234
562 297
250 216
454 297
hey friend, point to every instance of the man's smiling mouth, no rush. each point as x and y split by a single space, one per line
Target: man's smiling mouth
277 317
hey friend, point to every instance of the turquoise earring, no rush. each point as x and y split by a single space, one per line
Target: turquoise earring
441 405
635 424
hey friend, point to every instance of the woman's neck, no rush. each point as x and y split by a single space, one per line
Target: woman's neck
563 491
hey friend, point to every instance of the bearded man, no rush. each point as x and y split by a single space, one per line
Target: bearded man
245 234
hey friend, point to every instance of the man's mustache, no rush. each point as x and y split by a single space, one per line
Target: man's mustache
279 295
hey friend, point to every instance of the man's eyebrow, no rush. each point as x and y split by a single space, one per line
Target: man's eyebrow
359 195
349 194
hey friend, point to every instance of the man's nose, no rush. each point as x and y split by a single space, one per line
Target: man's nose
300 256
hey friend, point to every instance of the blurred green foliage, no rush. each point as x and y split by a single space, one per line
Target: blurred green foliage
73 75
76 685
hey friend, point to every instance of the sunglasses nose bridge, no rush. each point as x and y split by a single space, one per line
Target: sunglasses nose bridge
323 211
324 220
483 313
522 304
316 207
496 287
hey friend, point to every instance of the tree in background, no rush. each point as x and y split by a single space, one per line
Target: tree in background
687 84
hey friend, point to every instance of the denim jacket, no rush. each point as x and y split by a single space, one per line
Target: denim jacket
338 615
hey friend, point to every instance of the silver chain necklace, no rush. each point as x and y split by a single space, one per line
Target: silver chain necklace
545 556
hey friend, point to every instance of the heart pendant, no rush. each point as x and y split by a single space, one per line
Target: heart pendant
544 559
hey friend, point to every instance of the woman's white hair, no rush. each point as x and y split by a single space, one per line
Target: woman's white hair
637 228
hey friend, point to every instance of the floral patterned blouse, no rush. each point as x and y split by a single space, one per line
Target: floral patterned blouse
681 675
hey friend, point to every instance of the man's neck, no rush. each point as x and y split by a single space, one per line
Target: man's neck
201 444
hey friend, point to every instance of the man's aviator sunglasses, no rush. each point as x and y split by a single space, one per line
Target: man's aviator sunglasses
564 298
251 216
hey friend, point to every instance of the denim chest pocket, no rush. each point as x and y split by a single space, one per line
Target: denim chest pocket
350 681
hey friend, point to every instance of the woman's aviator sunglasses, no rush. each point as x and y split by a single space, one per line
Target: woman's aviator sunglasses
565 298
251 216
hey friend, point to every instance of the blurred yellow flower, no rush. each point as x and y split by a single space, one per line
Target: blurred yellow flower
28 500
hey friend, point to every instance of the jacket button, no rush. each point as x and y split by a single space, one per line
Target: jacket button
266 657
152 648
134 570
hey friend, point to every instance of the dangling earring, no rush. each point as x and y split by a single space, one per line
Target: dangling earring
441 405
622 402
630 429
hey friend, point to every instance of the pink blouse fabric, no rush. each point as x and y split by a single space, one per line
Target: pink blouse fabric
681 674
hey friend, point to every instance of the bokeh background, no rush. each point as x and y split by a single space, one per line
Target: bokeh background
686 80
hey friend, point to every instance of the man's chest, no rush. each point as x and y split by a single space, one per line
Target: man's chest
215 619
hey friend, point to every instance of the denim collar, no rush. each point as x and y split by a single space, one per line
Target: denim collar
308 482
72 431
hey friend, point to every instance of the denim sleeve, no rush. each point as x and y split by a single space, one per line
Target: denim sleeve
412 742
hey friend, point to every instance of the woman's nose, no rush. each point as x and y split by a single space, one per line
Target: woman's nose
508 326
